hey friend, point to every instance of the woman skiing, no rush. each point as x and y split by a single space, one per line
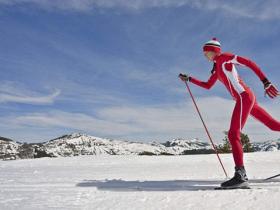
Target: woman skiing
224 70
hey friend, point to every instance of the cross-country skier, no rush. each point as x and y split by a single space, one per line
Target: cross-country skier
224 70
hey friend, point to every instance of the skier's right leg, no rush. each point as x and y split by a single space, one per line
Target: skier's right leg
260 114
240 114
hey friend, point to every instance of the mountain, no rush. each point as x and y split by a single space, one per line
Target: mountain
80 144
267 146
8 148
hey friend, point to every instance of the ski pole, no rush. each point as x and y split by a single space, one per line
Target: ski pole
214 147
272 177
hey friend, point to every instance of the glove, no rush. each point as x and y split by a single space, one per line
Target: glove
184 77
270 89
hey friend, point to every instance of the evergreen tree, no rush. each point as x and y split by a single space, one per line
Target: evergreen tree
247 146
226 147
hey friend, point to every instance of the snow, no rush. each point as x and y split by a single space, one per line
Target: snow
136 182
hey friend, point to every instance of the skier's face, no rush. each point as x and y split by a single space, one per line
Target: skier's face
210 55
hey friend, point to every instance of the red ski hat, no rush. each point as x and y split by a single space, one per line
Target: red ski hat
212 45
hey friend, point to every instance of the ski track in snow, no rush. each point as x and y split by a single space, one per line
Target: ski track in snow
136 182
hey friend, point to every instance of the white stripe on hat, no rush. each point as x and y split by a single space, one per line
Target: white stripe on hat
213 42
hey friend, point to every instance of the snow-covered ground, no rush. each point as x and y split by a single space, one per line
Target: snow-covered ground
136 182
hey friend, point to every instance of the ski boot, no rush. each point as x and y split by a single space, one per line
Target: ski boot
239 180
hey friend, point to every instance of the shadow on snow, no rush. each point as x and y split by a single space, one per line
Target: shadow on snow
168 185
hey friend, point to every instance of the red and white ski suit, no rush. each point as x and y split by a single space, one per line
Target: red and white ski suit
224 70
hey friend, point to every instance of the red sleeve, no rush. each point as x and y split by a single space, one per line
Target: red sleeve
246 62
207 85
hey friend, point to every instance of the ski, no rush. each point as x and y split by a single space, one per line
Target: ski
272 177
232 188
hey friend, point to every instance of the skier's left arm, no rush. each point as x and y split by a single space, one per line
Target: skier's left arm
270 89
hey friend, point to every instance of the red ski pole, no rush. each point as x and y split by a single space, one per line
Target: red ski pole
213 145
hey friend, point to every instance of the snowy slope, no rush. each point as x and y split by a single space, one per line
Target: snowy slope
136 183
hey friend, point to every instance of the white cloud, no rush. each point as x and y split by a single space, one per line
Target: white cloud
149 123
9 92
77 121
269 9
129 122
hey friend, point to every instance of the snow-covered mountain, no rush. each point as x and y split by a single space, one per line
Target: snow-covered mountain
267 146
80 144
8 148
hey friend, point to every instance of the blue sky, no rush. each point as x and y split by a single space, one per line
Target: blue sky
109 68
